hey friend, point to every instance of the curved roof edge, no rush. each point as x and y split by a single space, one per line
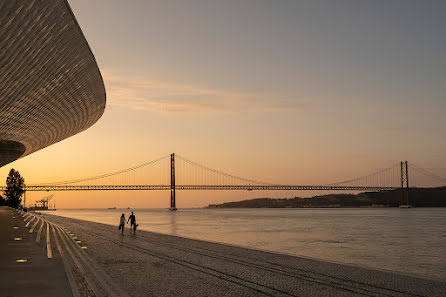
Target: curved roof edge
51 87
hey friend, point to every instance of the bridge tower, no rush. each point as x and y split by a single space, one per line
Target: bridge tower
404 185
172 182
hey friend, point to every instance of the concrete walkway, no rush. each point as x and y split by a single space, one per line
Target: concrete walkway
152 264
25 269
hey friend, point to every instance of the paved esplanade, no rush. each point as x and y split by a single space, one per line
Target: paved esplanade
25 269
101 262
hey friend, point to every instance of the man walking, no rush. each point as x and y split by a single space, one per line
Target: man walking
133 225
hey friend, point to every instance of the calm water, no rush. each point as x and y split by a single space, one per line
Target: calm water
405 240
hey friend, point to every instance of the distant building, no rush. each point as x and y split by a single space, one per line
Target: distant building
50 84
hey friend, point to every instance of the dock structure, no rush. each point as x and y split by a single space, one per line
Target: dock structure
99 261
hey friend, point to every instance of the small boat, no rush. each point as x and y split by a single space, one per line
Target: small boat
112 207
405 206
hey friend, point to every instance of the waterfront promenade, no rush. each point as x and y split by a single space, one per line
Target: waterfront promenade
25 268
99 261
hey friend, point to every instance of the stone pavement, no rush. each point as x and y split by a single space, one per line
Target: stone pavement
25 269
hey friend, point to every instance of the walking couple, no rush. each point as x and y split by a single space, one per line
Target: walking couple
133 224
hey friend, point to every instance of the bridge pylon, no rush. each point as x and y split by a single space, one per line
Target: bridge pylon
404 185
172 182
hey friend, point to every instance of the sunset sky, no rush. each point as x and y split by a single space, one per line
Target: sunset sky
297 92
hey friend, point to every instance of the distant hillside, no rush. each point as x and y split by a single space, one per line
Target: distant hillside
419 197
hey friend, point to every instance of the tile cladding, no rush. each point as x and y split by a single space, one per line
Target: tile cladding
50 84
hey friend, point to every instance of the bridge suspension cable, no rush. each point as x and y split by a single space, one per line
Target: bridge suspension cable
201 174
421 177
106 175
388 177
191 175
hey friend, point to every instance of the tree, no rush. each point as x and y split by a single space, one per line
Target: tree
14 188
2 201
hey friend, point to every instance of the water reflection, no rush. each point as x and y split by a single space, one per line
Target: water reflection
173 222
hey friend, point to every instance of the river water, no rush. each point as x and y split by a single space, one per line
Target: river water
405 240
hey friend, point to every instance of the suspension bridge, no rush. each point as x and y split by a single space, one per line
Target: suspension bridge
174 172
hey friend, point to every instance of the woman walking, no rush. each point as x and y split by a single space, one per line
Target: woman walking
121 224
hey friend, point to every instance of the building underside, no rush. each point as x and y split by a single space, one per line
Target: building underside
50 84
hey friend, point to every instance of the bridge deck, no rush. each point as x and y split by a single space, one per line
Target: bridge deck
151 264
203 187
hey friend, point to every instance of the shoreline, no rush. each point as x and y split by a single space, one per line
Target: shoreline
235 208
290 232
231 268
99 261
282 253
